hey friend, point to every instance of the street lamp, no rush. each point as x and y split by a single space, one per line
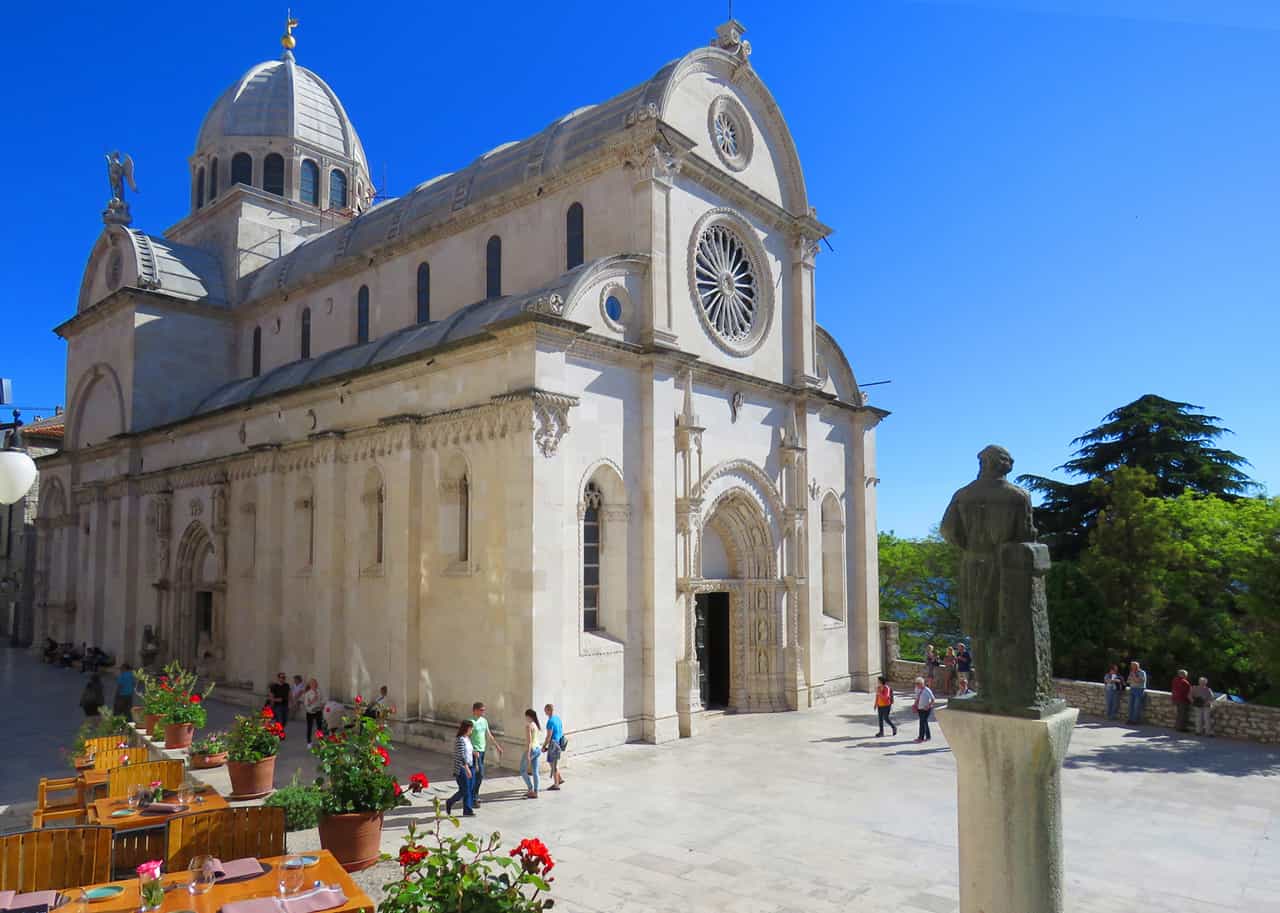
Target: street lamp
17 470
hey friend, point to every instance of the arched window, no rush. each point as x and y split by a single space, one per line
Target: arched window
309 183
273 174
375 505
306 531
833 590
362 314
591 558
213 180
574 236
337 189
306 333
424 293
200 187
455 513
242 169
464 520
493 268
257 351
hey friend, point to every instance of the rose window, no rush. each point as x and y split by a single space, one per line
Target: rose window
726 284
726 134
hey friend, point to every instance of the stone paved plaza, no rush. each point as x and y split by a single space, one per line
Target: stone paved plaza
810 812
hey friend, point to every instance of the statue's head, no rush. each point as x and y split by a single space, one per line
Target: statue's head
995 462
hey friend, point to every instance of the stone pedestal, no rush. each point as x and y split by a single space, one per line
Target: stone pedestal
1010 809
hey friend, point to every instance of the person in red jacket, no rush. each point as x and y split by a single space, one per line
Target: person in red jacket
1181 691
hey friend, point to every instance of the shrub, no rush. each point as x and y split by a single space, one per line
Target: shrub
353 766
254 738
301 805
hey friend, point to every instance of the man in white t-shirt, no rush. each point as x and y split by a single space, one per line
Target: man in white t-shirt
923 707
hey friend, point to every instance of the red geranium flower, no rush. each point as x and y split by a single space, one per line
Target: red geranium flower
411 854
359 699
195 698
534 855
382 753
418 782
267 714
396 789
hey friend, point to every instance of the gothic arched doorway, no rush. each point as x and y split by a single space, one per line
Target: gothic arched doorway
194 629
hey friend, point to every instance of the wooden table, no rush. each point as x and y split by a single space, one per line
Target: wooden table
327 871
100 811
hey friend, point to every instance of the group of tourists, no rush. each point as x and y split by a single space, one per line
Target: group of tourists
951 673
472 742
922 705
298 699
1188 700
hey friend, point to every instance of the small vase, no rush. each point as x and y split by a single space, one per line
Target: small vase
178 735
150 894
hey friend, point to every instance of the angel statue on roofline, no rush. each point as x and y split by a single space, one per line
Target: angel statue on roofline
119 172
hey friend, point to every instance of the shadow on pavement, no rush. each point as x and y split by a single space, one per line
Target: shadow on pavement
1147 749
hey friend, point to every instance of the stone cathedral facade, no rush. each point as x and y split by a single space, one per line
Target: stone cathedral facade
559 426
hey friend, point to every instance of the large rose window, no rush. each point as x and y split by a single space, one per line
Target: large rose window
726 283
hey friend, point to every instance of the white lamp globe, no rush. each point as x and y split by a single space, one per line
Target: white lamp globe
17 475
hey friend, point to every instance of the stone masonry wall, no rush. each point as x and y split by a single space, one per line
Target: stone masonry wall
1251 722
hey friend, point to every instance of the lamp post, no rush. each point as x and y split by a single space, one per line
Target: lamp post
17 470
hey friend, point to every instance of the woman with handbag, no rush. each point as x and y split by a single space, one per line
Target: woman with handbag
532 752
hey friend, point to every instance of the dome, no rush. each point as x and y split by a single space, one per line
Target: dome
278 98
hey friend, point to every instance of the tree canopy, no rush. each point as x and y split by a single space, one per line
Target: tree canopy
1166 439
917 590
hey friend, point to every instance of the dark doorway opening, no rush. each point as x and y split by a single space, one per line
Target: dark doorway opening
711 642
204 617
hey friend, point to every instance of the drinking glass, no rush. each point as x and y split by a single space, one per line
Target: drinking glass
291 875
203 874
135 796
184 794
70 900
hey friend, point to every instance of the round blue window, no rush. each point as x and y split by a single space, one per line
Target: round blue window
613 307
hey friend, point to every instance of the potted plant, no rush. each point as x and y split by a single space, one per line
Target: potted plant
252 746
185 715
209 751
465 873
355 789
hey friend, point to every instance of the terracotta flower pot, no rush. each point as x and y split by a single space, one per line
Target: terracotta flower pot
178 735
252 781
208 761
353 838
149 722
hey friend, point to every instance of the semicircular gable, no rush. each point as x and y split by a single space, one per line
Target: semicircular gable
705 74
837 373
112 264
97 408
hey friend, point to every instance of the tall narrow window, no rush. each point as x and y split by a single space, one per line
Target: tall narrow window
380 521
374 502
257 351
362 314
337 189
273 174
591 558
200 188
424 293
309 183
833 589
464 519
306 333
242 169
574 236
493 268
213 180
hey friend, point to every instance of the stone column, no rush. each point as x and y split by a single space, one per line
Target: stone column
1010 809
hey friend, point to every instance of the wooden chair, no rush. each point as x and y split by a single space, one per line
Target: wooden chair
228 833
106 743
131 848
60 857
69 808
123 779
111 758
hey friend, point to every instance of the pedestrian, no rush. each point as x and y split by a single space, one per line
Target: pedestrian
1113 684
554 745
123 704
931 663
480 744
884 706
964 667
280 694
1137 683
1202 698
91 698
923 706
378 706
312 703
463 772
949 662
532 752
295 696
1180 694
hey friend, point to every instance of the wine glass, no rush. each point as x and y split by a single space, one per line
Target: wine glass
291 875
203 874
135 796
184 793
70 900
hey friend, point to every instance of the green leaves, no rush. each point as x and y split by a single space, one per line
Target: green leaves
917 590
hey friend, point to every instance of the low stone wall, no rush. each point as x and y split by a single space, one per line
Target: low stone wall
1251 722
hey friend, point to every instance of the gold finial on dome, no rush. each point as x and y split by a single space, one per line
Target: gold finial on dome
287 41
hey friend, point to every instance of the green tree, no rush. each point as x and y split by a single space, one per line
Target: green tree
917 590
1168 440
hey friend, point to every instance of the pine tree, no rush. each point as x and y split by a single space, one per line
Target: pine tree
1163 438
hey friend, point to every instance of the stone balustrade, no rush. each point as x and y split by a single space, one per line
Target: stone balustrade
1251 722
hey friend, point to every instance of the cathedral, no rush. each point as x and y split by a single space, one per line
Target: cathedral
560 426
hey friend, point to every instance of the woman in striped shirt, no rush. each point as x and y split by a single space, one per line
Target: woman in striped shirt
463 770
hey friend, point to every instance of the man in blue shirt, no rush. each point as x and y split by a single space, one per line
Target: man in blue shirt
554 745
124 691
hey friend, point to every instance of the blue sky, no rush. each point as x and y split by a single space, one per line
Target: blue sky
1043 208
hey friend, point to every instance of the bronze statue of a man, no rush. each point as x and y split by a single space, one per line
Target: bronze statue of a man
1003 606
